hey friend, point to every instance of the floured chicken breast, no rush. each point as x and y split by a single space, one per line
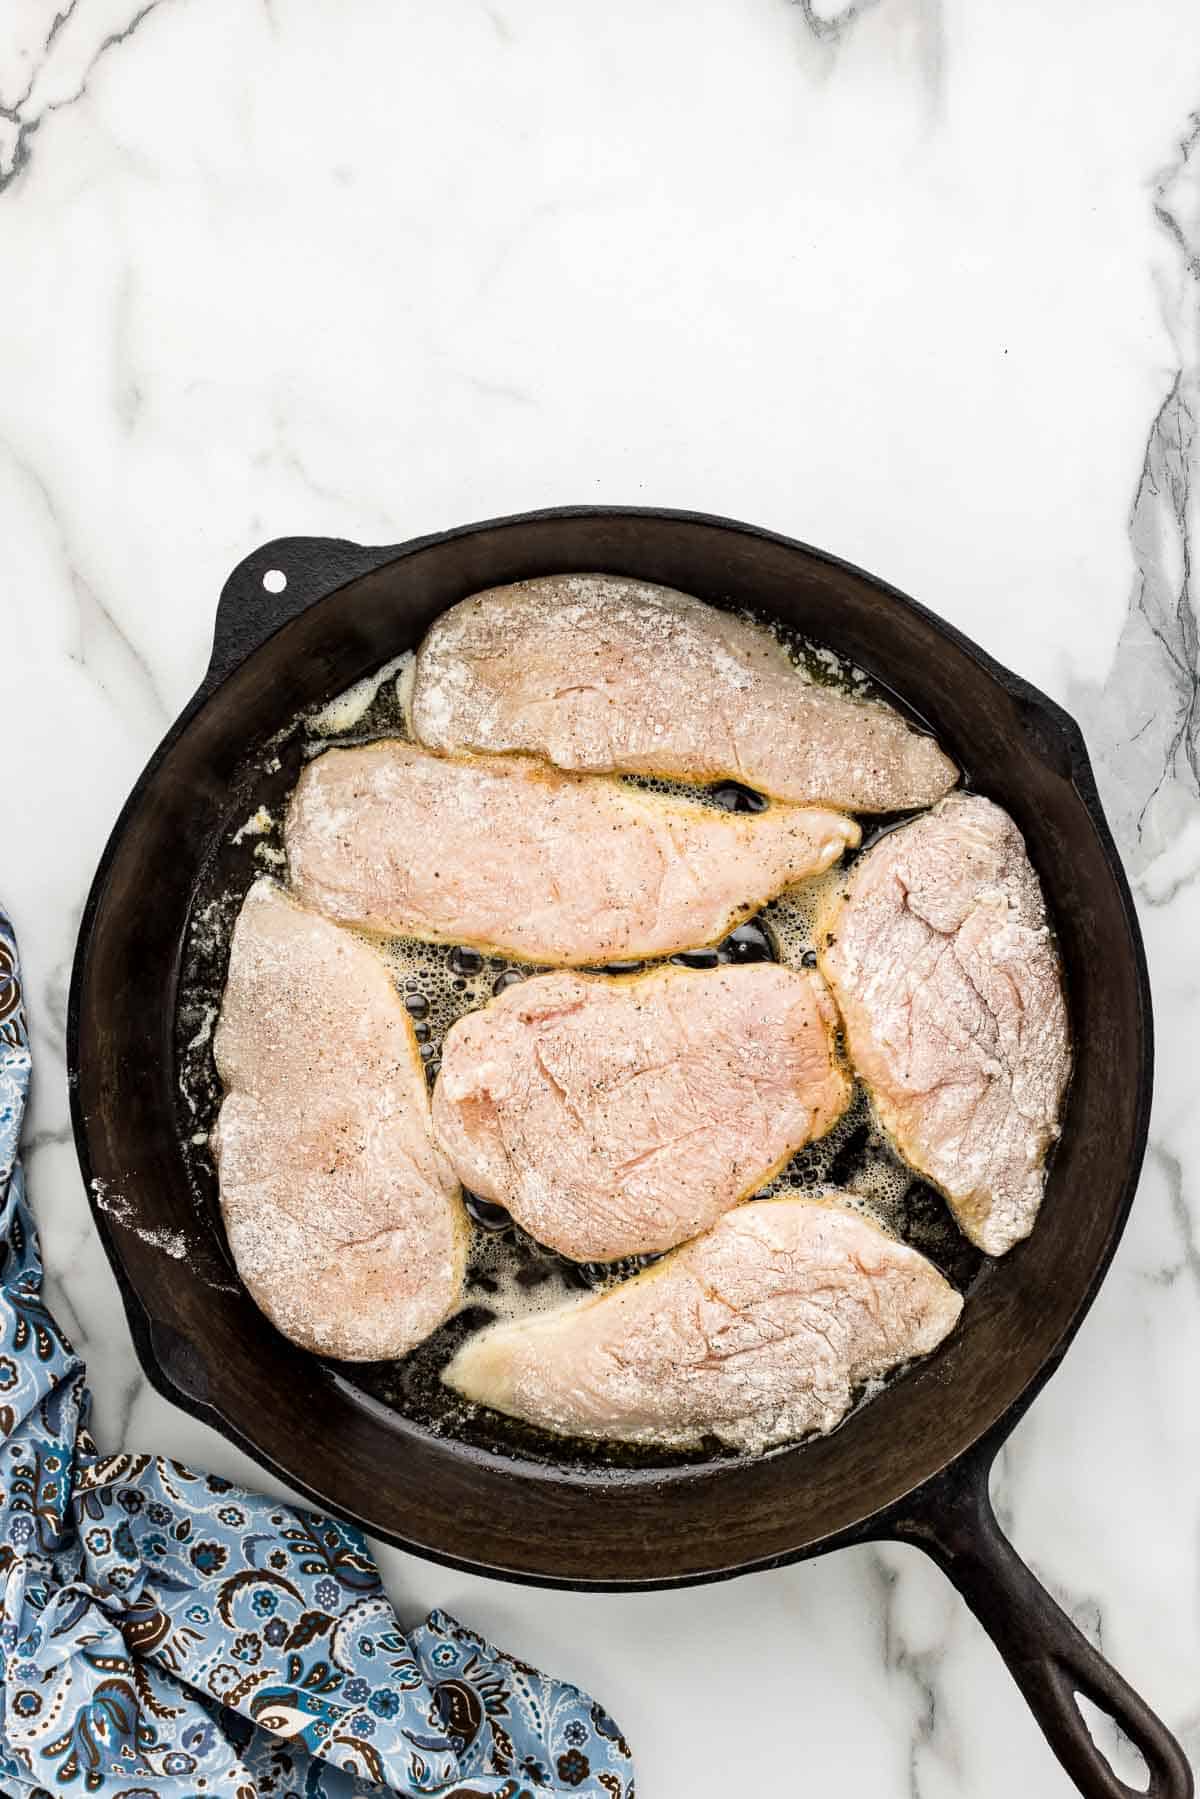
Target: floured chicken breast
950 988
344 1219
509 855
601 673
757 1332
620 1117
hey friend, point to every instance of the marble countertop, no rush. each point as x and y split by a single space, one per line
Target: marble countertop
918 281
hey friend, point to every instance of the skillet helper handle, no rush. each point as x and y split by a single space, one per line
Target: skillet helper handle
274 585
1048 1657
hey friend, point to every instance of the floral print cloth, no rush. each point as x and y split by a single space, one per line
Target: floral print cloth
163 1632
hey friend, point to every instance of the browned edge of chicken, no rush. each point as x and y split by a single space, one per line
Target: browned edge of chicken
760 1331
599 674
621 1116
342 1215
508 855
946 973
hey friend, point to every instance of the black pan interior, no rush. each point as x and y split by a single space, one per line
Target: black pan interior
496 1503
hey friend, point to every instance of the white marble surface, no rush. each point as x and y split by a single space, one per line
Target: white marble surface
918 281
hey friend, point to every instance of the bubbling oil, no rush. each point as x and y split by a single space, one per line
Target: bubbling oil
509 1275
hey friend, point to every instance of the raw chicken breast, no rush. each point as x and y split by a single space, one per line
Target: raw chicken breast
757 1332
344 1219
620 1117
600 673
507 854
949 985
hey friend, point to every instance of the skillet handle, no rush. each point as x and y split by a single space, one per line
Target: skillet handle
253 606
1049 1658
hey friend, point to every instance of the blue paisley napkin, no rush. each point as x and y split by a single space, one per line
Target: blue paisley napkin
163 1632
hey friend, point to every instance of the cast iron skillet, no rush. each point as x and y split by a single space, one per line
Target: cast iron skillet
913 1466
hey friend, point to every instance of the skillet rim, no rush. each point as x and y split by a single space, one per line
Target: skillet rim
228 656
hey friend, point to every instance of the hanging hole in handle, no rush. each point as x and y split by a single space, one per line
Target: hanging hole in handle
274 580
1119 1751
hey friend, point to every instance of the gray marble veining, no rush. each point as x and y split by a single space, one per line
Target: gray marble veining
58 67
1144 725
